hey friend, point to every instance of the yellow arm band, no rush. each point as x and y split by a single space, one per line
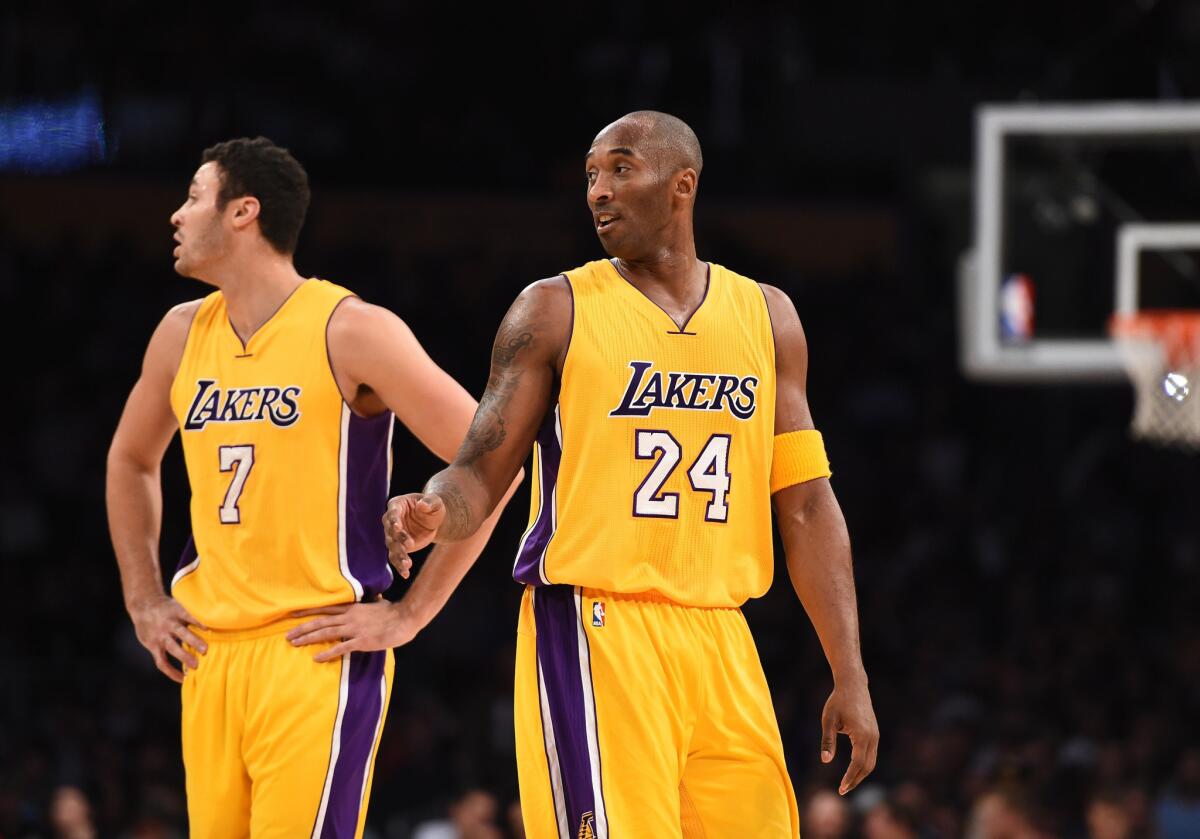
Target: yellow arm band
799 456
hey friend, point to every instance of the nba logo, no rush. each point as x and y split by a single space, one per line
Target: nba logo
597 613
1016 309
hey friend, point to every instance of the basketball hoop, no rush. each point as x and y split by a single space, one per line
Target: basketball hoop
1161 352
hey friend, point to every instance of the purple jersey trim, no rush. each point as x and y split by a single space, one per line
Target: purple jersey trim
367 479
356 748
531 555
558 628
189 554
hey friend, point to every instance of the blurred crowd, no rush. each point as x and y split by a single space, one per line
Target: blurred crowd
1026 574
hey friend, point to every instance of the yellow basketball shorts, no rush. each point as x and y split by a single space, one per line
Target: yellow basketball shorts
277 745
645 718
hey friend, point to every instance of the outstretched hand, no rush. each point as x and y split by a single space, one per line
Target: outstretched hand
410 523
848 711
162 627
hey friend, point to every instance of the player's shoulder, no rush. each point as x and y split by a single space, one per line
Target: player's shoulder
177 322
545 301
779 304
547 290
170 338
356 324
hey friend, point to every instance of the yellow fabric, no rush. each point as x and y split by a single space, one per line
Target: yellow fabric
271 419
260 718
799 456
687 737
619 526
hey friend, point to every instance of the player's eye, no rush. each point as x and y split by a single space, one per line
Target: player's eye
620 169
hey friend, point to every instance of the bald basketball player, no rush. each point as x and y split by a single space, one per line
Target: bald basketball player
665 401
284 390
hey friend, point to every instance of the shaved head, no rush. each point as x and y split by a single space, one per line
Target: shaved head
666 141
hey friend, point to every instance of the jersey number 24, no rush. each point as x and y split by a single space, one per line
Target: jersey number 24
709 473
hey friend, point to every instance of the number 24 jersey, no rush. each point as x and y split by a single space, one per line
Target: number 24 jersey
652 472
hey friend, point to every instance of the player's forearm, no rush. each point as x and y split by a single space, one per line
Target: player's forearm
467 499
818 559
446 567
133 496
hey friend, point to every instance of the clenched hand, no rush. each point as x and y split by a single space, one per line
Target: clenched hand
410 523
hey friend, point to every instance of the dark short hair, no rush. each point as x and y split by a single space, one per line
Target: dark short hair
261 169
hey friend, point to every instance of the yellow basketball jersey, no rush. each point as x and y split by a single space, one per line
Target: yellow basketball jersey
652 472
288 484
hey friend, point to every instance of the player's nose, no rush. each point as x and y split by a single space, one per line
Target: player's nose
599 192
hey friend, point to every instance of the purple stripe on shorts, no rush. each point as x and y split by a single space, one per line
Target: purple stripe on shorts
360 723
189 554
557 627
366 501
536 541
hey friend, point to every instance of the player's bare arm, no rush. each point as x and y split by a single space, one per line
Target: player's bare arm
380 365
818 559
133 494
527 359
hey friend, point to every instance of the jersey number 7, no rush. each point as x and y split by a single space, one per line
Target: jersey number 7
239 460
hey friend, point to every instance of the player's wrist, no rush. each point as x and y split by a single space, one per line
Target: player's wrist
850 676
407 621
139 603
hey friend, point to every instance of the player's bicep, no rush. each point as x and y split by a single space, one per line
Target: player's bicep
791 364
520 385
147 422
381 351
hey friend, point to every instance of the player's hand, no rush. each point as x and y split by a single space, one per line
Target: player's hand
162 627
848 711
358 627
410 523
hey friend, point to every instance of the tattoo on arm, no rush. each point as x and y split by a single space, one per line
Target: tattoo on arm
487 429
457 524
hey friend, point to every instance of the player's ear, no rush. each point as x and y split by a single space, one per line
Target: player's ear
245 210
685 183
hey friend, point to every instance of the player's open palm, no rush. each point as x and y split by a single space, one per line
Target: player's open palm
410 523
849 711
162 627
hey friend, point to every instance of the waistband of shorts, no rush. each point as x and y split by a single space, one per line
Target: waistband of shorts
279 627
637 597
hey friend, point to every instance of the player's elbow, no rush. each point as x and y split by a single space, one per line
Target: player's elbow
124 458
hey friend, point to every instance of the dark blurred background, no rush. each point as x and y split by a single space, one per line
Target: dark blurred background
1027 575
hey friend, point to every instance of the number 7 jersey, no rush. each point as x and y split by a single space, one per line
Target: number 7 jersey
652 471
288 484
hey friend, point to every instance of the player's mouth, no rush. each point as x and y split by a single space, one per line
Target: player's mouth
605 221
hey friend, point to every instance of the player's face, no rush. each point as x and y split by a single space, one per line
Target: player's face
630 201
199 230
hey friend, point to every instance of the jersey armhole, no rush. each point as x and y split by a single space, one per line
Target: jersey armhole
329 356
770 327
566 351
187 345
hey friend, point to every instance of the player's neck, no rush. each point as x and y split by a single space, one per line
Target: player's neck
674 268
255 289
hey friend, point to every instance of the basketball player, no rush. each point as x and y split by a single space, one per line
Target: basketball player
665 398
283 389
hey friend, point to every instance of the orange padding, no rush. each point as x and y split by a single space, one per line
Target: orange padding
799 456
1177 331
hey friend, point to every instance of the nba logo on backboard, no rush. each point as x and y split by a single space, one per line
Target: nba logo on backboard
1016 308
597 613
